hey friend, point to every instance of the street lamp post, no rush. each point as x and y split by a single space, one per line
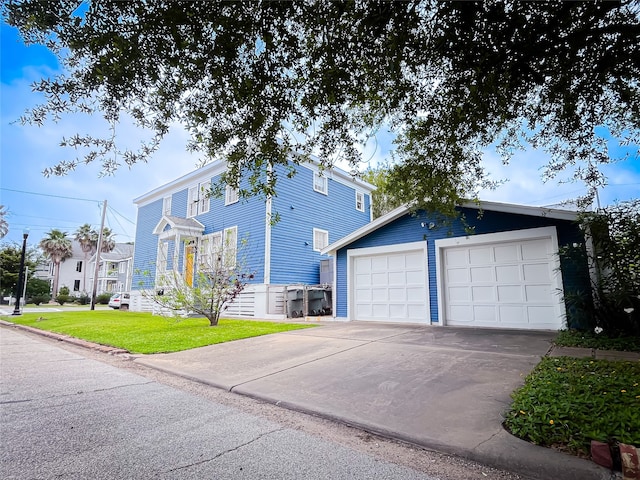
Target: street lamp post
16 310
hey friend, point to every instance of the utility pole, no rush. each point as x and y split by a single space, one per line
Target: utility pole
98 249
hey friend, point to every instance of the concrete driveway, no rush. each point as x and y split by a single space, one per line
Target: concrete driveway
440 387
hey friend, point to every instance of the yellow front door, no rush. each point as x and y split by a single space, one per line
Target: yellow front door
189 255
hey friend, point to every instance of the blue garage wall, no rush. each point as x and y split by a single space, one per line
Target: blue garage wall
408 228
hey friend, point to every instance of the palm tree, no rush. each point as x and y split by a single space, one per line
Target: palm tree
108 242
57 246
87 238
4 226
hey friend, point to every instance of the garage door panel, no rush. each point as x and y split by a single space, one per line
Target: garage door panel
379 295
509 284
480 256
378 264
506 253
483 294
456 257
536 272
535 250
363 295
415 277
397 310
508 273
397 278
459 294
538 293
397 292
510 293
415 295
485 314
460 314
458 275
482 274
512 315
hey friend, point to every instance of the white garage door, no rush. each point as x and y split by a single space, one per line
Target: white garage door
389 286
507 285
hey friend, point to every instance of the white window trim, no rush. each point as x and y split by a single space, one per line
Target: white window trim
315 245
231 195
230 247
166 205
198 202
325 183
359 204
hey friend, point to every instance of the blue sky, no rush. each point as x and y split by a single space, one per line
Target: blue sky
40 203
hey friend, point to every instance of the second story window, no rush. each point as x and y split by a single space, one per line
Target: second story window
320 183
198 199
166 205
230 195
360 201
79 266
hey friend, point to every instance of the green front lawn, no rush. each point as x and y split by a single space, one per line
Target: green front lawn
146 333
567 402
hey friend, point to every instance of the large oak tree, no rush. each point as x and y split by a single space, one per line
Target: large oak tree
253 81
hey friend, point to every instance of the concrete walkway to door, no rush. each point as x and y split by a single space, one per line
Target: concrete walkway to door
442 388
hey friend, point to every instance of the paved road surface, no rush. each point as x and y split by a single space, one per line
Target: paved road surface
64 414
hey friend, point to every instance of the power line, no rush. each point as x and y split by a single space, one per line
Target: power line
49 195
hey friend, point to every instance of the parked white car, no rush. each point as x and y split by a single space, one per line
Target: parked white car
119 301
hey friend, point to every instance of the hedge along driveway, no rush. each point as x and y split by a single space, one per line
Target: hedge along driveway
146 333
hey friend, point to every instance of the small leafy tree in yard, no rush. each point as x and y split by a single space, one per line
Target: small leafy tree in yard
38 291
614 306
218 279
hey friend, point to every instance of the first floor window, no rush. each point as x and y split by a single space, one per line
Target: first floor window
320 239
76 285
161 261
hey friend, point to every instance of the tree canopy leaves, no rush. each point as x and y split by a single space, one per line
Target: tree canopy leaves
254 81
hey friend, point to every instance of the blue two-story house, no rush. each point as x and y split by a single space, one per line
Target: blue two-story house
280 238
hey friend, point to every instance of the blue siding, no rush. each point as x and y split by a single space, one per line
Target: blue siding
146 246
301 209
408 228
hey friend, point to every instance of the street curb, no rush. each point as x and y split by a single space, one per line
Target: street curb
502 450
67 339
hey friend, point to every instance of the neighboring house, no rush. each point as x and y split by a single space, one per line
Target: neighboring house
178 225
115 269
402 267
71 271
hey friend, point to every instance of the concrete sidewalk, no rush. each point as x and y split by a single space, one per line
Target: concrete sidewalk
444 389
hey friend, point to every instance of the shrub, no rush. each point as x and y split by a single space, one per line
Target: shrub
83 299
103 298
64 291
38 299
613 306
62 299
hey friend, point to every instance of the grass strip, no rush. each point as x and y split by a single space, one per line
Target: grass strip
567 402
589 339
145 333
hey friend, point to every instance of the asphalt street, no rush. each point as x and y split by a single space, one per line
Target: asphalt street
64 415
